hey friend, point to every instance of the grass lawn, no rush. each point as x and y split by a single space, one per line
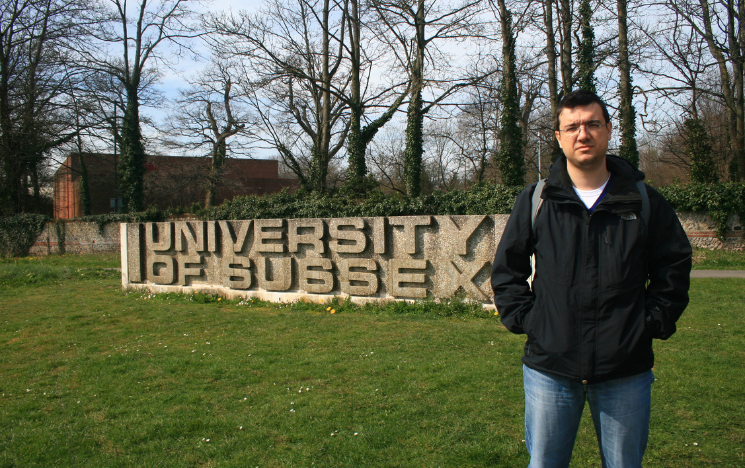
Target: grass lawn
93 377
705 259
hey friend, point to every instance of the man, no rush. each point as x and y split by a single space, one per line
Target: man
607 281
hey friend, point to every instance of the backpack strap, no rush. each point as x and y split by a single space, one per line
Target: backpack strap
646 210
536 202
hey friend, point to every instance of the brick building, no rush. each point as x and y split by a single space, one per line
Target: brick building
170 181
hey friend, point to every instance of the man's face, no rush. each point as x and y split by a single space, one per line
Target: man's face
584 135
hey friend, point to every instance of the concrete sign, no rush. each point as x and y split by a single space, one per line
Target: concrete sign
282 260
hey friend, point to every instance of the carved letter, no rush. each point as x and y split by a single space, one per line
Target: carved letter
280 271
459 235
163 231
355 240
234 235
134 252
193 233
211 236
294 237
457 279
367 275
167 271
237 278
185 270
324 278
379 235
408 241
260 235
397 277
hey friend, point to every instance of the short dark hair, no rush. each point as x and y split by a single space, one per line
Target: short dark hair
578 98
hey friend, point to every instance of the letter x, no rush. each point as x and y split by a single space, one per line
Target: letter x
463 279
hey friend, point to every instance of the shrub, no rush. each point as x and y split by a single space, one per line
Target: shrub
19 232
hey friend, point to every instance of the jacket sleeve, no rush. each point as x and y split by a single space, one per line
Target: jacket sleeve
668 266
511 268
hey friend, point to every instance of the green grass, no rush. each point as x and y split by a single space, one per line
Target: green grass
35 270
93 377
705 259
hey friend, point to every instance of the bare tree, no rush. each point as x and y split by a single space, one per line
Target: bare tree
477 130
386 159
206 116
294 53
415 30
359 135
37 78
720 26
552 81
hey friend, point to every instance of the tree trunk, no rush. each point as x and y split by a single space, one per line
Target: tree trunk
414 145
586 52
414 151
356 147
510 157
628 149
553 91
565 20
133 158
736 36
85 191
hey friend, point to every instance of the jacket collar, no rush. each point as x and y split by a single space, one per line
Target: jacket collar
622 186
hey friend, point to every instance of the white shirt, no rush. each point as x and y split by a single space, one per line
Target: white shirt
589 197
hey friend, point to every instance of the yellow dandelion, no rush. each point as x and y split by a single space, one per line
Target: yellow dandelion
333 311
496 313
328 309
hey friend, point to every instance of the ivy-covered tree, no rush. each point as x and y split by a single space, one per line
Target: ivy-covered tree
412 30
361 135
510 155
140 31
628 150
698 149
586 50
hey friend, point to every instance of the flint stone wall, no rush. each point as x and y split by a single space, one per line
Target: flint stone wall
366 259
701 231
78 237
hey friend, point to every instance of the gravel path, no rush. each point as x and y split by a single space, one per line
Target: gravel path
717 273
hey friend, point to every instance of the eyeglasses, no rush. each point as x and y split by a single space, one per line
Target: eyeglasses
592 127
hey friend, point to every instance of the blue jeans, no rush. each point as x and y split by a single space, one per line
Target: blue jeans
553 410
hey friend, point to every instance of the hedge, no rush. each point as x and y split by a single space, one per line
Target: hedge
18 233
480 199
719 200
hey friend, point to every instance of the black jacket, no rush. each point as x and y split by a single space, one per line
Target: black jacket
605 283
